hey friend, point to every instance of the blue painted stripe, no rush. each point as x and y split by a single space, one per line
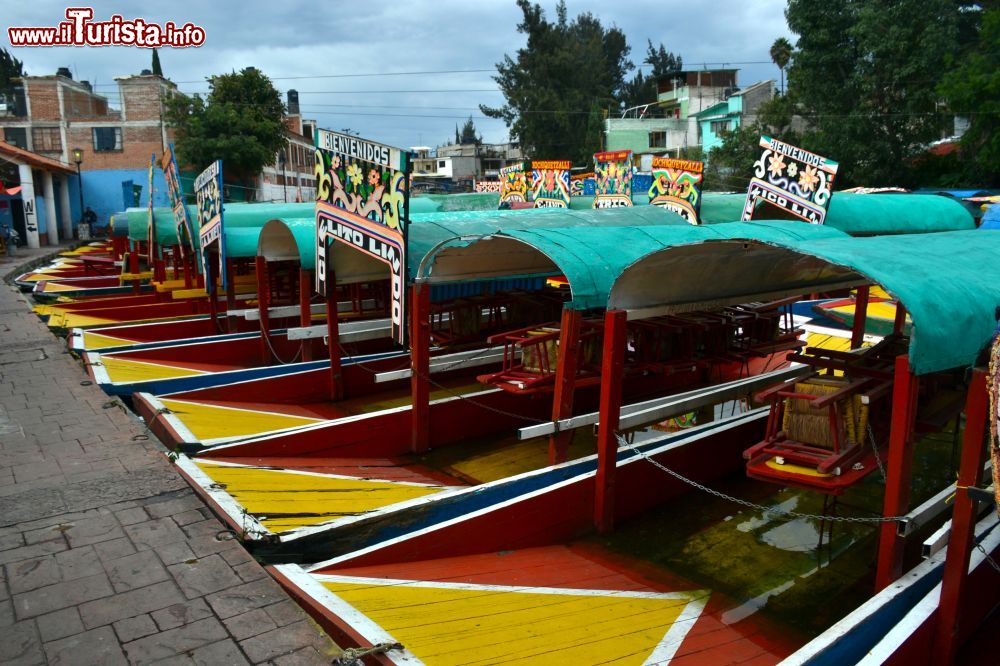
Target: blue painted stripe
463 503
177 384
864 636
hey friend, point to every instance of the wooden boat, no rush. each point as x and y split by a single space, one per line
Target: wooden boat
881 312
520 547
535 549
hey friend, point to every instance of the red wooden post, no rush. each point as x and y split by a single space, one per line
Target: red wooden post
305 313
133 268
900 322
333 337
420 345
230 293
175 257
860 317
263 303
898 472
963 523
159 270
188 261
213 301
607 431
566 369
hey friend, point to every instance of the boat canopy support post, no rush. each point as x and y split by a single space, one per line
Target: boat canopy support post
186 263
333 337
175 257
900 321
231 292
133 268
612 363
420 344
898 473
263 303
305 311
860 317
963 523
213 297
565 387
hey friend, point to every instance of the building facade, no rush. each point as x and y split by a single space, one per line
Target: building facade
462 164
672 123
739 108
292 177
65 120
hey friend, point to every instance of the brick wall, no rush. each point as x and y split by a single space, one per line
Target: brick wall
138 141
141 97
44 99
80 103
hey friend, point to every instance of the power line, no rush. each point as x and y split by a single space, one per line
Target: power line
702 65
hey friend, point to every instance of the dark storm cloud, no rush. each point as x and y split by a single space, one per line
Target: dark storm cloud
294 38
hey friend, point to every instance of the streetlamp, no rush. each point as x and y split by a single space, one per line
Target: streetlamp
284 179
78 158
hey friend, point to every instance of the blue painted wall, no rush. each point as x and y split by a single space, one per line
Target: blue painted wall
102 191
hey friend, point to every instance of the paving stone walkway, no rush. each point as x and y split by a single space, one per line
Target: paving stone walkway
106 555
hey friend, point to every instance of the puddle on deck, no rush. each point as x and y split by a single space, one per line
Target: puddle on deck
771 563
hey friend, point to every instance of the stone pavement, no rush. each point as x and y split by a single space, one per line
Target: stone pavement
106 555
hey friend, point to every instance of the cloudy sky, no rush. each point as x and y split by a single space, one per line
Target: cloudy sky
354 63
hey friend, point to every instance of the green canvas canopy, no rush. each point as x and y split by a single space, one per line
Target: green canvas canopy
864 214
591 258
429 230
289 238
949 282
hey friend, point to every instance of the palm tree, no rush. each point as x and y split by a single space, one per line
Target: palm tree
781 53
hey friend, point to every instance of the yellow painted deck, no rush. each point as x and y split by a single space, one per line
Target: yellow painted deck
211 422
96 341
74 320
127 370
880 310
501 458
461 624
283 500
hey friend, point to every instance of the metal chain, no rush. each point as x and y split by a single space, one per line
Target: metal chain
878 459
267 339
989 560
352 656
758 507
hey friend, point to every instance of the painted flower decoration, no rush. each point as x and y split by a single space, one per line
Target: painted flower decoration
550 181
335 162
793 169
373 177
354 174
776 164
808 179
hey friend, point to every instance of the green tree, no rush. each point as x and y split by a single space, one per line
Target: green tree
157 70
551 85
239 122
730 165
781 53
10 69
864 74
972 90
468 134
663 62
642 89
